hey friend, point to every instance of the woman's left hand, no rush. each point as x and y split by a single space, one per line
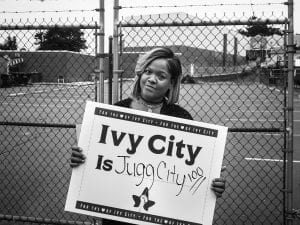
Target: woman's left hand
218 184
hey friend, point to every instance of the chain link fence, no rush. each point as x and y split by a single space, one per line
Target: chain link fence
42 95
225 82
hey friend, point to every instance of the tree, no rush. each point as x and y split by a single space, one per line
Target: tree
259 29
61 38
9 44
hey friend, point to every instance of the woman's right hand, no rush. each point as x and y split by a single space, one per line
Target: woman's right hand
77 157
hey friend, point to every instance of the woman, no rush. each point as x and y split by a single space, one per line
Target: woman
155 89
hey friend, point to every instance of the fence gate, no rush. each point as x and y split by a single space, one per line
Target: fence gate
228 80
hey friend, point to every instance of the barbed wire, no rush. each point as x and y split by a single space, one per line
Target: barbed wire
206 5
50 11
153 6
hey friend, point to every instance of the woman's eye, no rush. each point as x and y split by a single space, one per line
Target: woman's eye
147 71
161 76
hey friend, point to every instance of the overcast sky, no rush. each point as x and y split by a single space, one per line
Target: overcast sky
205 6
239 8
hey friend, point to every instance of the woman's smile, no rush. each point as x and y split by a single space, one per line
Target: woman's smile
149 87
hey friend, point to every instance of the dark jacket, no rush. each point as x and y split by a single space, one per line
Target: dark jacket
167 109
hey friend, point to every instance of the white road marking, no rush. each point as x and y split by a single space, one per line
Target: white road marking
269 160
257 120
17 94
39 105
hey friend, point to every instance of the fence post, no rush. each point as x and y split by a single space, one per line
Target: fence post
224 50
110 69
115 52
235 52
95 62
101 52
285 122
290 110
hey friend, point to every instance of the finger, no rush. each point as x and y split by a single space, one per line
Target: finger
218 190
73 165
219 179
74 162
78 155
77 160
218 195
223 168
76 148
218 184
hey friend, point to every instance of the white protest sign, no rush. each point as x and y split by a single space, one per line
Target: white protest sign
146 168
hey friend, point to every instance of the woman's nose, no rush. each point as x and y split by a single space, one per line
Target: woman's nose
152 78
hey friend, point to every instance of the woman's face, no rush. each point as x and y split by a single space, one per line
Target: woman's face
155 81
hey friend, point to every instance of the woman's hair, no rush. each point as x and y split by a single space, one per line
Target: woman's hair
174 68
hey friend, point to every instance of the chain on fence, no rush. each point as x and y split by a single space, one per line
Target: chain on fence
225 82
